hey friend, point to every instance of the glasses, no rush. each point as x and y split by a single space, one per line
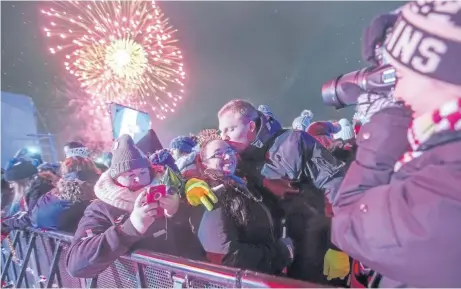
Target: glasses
220 155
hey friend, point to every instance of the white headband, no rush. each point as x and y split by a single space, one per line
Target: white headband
77 152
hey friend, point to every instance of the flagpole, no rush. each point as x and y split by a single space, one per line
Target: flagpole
109 107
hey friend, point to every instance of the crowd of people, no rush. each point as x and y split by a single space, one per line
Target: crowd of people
369 202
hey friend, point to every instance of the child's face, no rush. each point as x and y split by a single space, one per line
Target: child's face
135 179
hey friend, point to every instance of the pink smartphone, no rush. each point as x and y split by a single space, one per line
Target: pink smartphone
154 195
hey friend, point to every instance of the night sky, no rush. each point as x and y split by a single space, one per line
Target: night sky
274 53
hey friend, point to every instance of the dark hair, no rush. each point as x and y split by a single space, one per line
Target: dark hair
234 200
206 136
74 144
194 139
79 164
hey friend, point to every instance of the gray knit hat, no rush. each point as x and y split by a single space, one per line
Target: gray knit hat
126 157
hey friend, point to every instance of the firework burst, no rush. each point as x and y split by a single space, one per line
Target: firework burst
119 51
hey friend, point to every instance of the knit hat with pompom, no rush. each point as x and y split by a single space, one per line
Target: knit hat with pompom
163 158
347 130
184 144
126 157
303 121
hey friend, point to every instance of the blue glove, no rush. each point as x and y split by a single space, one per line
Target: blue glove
291 247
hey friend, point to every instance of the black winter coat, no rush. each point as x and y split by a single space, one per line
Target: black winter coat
241 231
296 158
105 233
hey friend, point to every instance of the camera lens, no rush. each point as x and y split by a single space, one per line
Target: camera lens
157 196
344 90
329 95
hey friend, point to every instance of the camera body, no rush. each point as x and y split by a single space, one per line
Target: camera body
344 90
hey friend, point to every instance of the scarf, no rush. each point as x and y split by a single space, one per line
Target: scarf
110 193
446 118
123 198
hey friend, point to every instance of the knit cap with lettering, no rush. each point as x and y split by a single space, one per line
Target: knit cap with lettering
126 157
426 39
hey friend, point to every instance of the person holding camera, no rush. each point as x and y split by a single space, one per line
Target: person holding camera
122 218
398 208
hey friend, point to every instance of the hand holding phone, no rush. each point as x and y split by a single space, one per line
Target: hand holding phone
154 194
143 214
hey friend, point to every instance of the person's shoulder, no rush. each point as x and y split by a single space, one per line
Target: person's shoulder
39 182
51 195
293 138
100 212
98 207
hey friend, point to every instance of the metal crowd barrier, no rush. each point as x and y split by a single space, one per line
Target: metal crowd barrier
40 263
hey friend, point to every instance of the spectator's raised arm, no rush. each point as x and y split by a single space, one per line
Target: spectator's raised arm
399 225
98 243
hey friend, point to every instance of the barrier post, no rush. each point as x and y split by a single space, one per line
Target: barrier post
179 282
140 278
22 271
141 269
37 263
54 266
91 283
10 257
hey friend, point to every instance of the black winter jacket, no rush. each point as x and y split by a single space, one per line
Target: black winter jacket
296 157
242 231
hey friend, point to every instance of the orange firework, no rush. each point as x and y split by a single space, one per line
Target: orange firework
120 51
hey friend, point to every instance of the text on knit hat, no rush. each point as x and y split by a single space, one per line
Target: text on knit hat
427 40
